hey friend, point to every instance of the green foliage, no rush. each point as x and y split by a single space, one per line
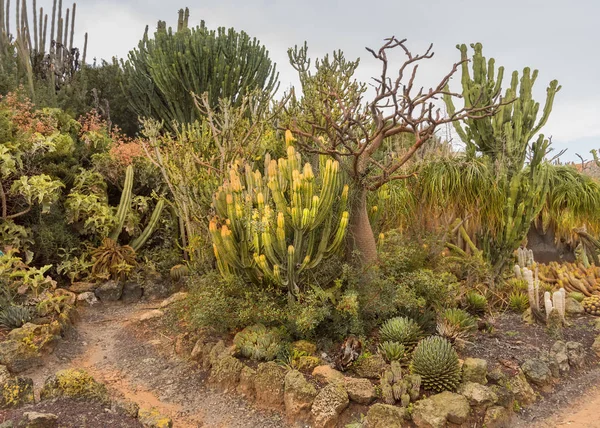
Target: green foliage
518 301
258 343
436 361
476 303
401 330
426 318
15 316
112 260
273 228
164 72
577 296
392 351
428 288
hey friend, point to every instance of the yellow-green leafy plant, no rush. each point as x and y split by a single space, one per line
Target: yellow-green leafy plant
401 330
476 303
275 226
258 342
577 296
112 260
436 361
456 324
518 301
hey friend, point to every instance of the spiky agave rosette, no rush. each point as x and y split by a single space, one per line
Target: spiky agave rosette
436 361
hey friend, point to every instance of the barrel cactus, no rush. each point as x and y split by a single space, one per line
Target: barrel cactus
271 228
401 330
592 305
436 361
257 342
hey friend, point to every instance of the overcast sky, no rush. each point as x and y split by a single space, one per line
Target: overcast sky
560 38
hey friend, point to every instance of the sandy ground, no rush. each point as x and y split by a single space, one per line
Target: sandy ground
104 342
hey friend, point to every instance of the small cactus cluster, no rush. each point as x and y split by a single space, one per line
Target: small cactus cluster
395 387
14 317
277 225
436 361
401 330
592 305
257 342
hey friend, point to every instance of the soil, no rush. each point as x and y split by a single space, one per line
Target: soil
138 361
138 364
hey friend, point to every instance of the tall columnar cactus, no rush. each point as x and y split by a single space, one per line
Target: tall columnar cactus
124 203
276 226
53 59
507 140
139 242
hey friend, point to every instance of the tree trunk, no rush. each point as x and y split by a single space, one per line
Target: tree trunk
360 233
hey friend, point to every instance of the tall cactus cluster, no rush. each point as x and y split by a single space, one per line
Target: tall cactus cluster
272 227
164 72
509 141
52 59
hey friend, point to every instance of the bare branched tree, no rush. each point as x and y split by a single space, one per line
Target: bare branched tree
332 117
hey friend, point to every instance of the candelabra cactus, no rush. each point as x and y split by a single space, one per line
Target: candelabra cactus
276 226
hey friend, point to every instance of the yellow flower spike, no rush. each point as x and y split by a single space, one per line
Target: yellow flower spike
291 152
308 172
374 209
280 220
289 137
212 226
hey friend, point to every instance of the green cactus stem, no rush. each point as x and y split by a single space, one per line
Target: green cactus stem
124 204
139 242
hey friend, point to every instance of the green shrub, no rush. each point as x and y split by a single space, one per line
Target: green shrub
431 289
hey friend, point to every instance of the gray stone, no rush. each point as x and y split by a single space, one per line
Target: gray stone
328 405
524 393
506 397
298 396
369 367
552 363
125 407
18 357
110 291
155 287
559 352
576 354
386 416
478 395
573 307
74 383
15 392
150 315
226 372
496 376
498 417
39 420
4 374
327 374
246 386
475 370
87 298
270 385
132 292
177 297
359 390
437 410
537 372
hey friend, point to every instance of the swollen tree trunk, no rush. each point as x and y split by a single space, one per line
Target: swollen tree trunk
360 234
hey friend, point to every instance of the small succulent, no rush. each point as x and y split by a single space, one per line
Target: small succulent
436 361
402 330
518 301
112 260
15 316
476 303
577 296
592 305
392 351
456 324
257 342
178 272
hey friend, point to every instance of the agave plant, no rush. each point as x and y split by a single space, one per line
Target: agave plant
518 302
257 342
15 316
392 351
476 303
401 330
436 361
456 324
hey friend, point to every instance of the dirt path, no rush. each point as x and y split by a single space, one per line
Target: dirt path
106 342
